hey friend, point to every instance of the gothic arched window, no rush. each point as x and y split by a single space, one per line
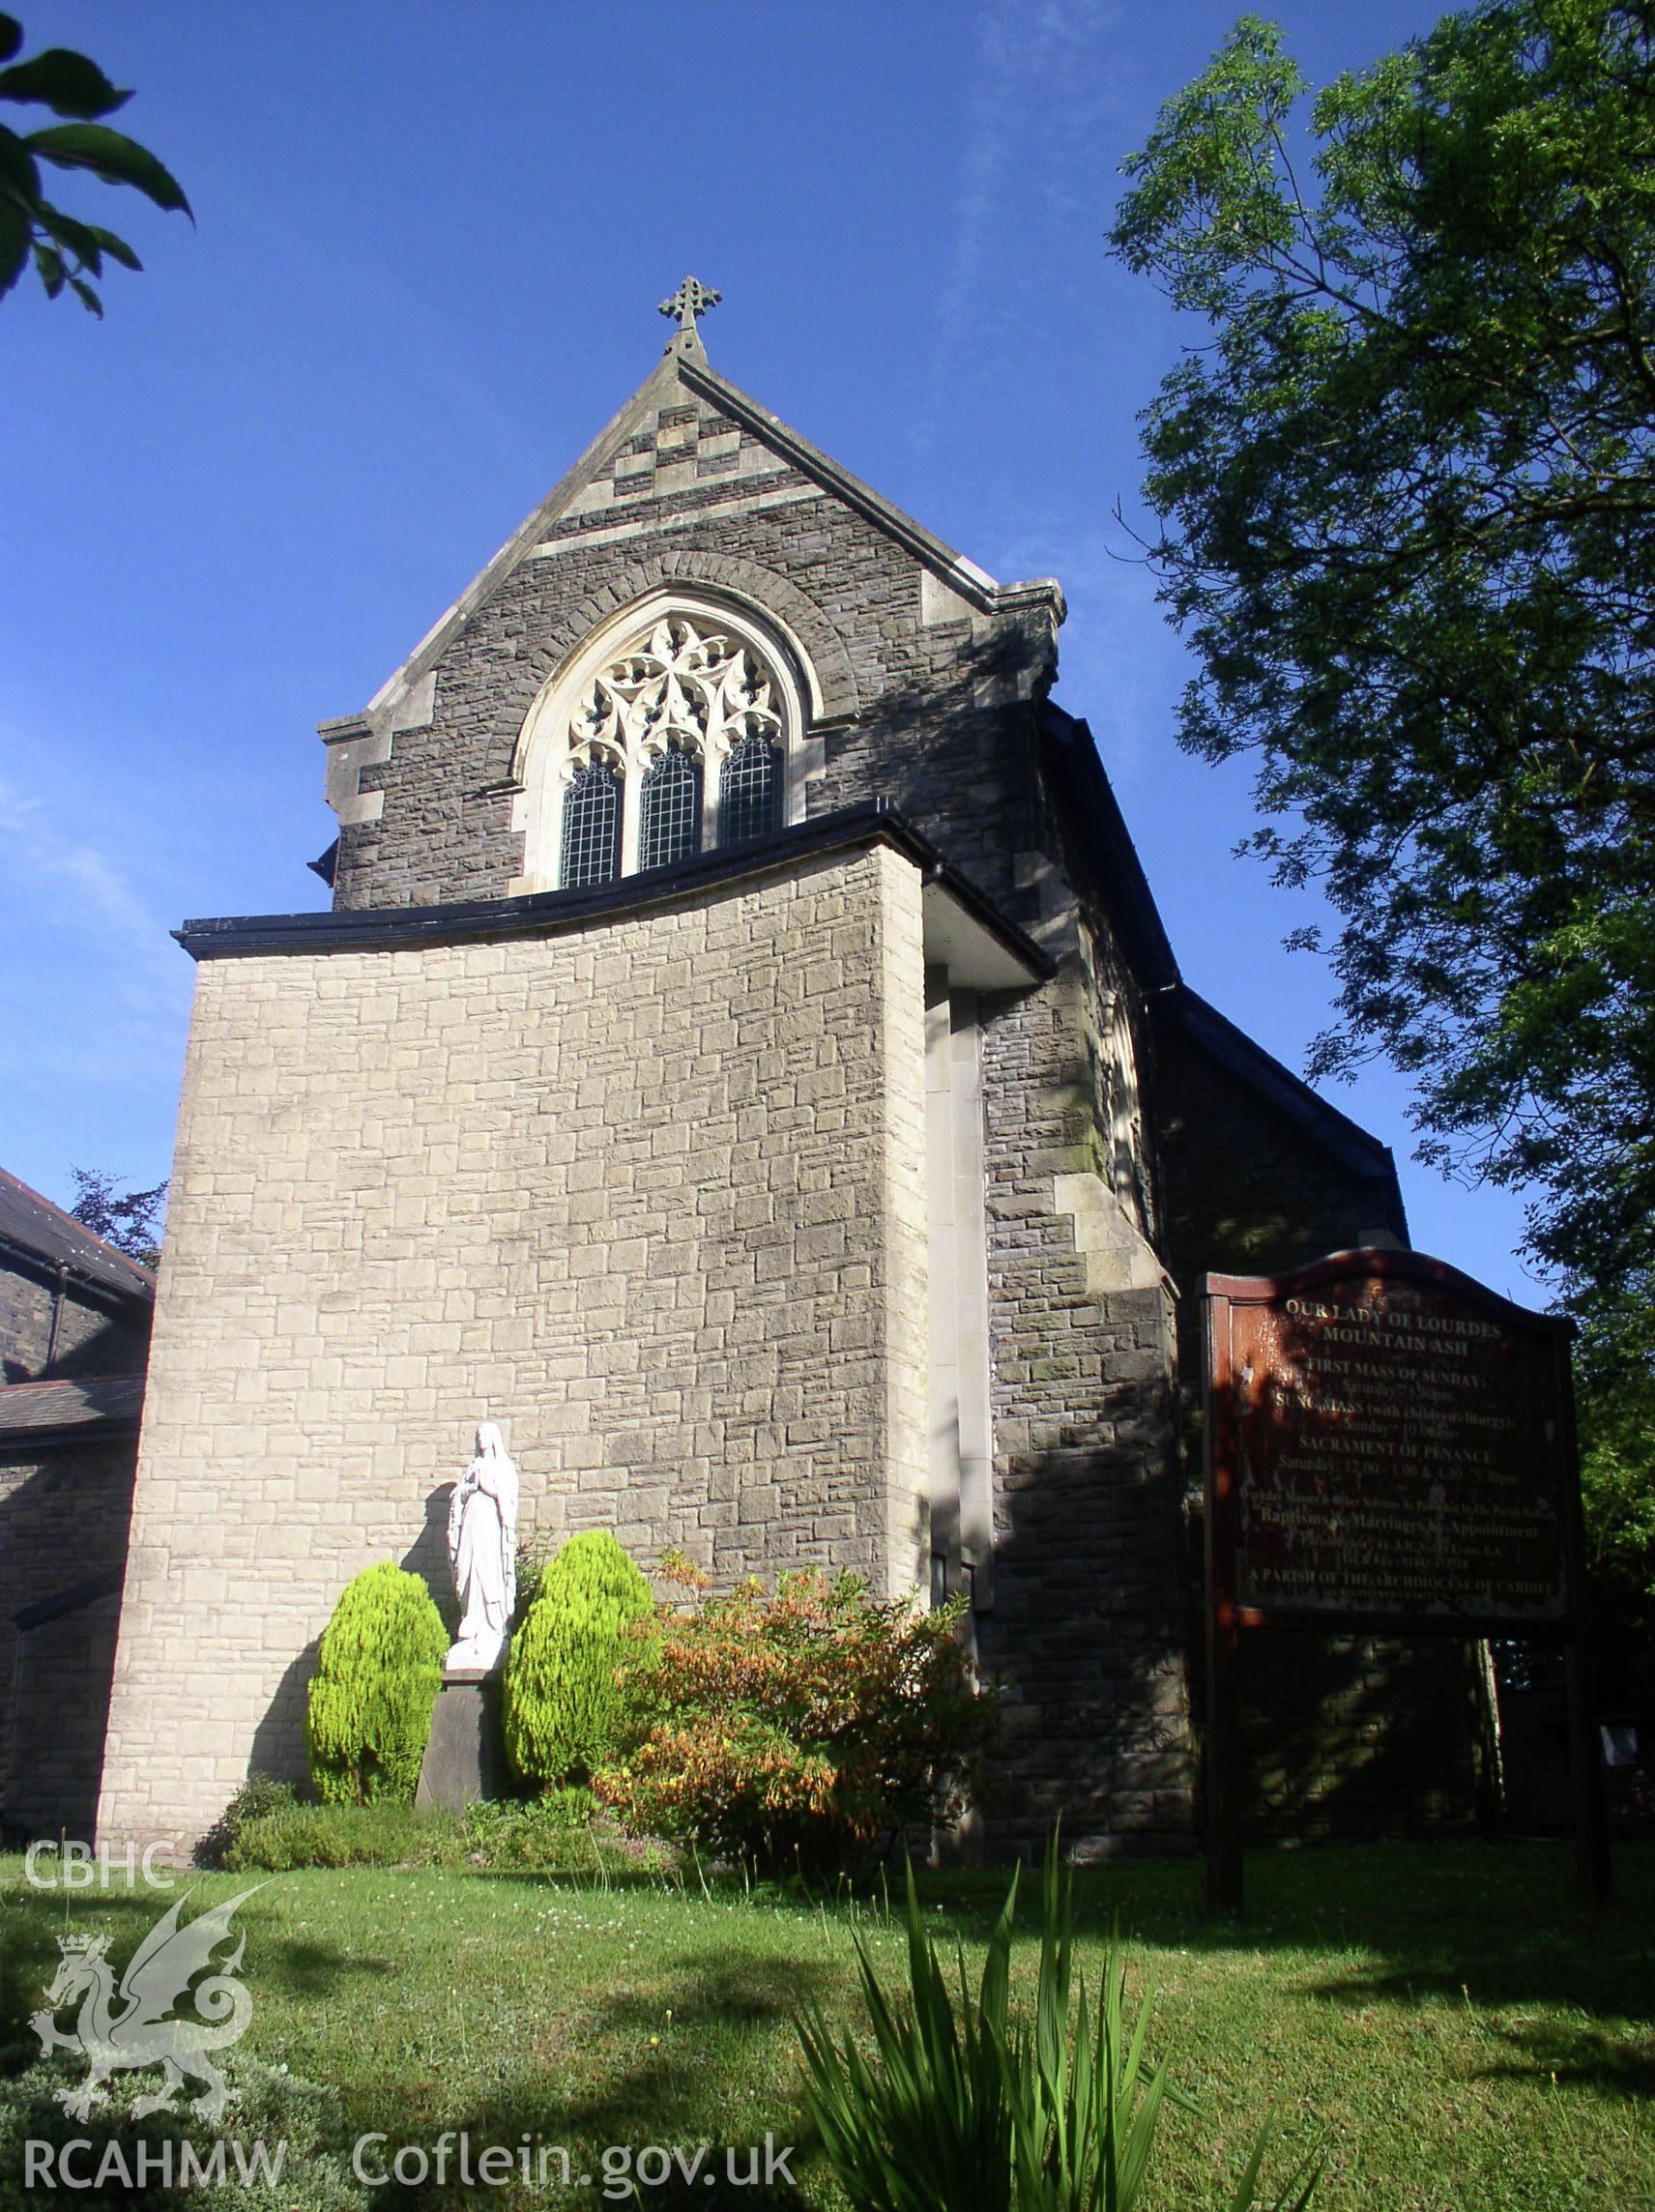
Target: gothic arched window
657 726
749 790
592 824
669 821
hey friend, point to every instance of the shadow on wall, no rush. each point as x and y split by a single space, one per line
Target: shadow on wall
1083 1637
952 753
279 1741
429 1556
64 1521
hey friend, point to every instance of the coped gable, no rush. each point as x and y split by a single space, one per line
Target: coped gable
692 492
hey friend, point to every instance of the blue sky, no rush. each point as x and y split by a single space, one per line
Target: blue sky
430 243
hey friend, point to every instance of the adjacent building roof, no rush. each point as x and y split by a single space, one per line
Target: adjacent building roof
31 1223
41 1412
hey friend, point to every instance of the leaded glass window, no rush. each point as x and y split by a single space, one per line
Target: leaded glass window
592 824
669 824
680 713
749 790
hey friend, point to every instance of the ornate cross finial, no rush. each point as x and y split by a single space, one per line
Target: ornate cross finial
692 298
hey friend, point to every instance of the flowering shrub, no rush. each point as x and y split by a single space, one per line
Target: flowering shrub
805 1728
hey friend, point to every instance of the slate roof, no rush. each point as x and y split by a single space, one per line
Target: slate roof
1143 938
31 1411
38 1226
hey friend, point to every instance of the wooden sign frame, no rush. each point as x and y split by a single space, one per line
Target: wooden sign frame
1228 1617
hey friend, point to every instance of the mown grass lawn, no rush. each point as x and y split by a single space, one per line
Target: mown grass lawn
1462 2036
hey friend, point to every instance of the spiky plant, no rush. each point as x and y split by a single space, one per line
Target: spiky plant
964 2109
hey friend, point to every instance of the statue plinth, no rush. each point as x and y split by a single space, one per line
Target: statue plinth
465 1758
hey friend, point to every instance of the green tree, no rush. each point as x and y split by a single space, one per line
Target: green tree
377 1676
563 1703
1406 502
1615 1386
66 251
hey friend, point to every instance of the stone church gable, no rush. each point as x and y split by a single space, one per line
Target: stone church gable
908 655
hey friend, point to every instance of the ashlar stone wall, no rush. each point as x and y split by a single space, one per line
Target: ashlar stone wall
648 1193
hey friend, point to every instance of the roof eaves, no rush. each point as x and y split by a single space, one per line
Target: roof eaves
69 1409
547 913
1132 903
30 1222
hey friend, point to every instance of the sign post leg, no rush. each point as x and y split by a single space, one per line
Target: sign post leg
1593 1874
1224 1876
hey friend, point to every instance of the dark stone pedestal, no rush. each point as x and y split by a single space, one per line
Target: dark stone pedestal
465 1759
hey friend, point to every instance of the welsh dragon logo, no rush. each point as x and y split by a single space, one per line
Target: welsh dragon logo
125 2027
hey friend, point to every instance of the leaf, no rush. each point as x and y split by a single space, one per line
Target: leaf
11 37
20 173
89 242
114 157
115 248
14 238
76 238
66 82
51 264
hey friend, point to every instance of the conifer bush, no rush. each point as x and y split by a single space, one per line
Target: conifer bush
376 1681
562 1703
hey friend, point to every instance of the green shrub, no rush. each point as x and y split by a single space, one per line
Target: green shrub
952 2107
385 1834
562 1704
259 1795
555 1834
800 1730
376 1680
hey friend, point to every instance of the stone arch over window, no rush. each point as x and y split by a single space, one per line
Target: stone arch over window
689 714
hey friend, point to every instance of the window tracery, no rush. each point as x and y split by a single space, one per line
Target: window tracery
661 739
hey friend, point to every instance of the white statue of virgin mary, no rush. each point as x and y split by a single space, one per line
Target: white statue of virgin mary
483 1545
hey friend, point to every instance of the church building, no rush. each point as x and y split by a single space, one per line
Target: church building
743 1061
